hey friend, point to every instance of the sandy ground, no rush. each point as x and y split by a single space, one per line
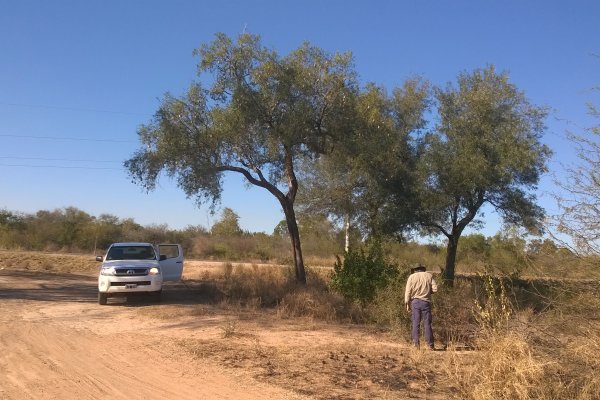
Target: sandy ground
56 342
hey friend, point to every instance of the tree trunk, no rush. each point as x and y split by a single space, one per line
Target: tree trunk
292 225
450 260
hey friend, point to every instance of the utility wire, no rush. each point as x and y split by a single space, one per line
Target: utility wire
68 138
72 108
59 166
58 159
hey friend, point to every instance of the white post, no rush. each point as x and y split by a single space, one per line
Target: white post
347 234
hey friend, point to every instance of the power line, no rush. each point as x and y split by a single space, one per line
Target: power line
58 159
60 167
68 138
72 108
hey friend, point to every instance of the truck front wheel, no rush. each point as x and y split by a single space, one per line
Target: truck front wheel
102 298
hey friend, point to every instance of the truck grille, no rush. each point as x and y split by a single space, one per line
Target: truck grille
139 283
131 271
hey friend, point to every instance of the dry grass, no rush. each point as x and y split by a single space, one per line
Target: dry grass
504 368
229 328
48 262
551 353
513 357
546 349
510 366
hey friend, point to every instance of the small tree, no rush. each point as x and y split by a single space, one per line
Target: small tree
579 201
361 273
261 115
228 225
107 230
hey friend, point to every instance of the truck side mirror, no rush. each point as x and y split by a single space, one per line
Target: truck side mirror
163 257
99 258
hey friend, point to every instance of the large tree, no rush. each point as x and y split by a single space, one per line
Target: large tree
485 149
259 117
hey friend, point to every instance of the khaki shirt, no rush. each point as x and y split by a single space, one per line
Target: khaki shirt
419 285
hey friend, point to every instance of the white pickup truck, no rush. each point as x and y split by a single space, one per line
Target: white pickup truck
132 268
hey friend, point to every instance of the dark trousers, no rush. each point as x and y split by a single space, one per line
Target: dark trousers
421 311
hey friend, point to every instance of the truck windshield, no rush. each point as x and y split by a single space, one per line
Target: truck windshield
131 253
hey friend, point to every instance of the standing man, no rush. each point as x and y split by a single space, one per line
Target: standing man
417 297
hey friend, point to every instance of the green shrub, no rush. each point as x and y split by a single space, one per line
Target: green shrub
362 273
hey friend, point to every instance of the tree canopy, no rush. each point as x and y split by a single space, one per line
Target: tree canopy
368 179
485 148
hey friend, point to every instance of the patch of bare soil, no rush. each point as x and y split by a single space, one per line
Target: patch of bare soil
57 342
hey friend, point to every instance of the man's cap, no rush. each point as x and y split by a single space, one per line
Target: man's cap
417 267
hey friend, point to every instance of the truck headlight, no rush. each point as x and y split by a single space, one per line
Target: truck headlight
154 271
107 271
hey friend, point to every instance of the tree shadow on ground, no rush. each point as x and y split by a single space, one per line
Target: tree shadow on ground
67 287
47 286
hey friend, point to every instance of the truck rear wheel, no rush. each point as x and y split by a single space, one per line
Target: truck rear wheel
102 298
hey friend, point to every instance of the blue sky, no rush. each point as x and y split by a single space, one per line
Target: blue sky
78 77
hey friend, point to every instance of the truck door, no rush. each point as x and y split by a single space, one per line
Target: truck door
172 265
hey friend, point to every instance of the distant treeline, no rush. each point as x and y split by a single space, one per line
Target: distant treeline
73 230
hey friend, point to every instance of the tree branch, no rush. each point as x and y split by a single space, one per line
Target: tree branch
257 182
440 228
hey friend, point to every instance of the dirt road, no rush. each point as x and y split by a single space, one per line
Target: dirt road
56 342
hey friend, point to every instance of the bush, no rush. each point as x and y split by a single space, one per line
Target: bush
493 313
361 274
388 307
454 322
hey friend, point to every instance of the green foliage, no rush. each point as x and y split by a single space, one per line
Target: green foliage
539 247
71 229
11 220
473 248
362 273
281 230
320 237
228 225
12 229
352 183
389 178
504 252
507 254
